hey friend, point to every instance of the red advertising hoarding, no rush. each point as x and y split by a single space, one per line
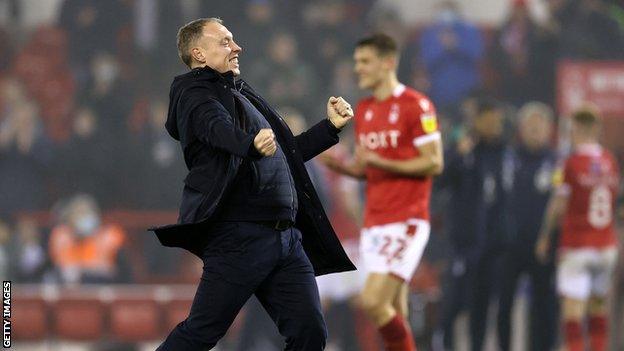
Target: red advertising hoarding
601 83
598 82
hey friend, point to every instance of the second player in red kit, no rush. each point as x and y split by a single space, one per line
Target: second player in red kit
584 205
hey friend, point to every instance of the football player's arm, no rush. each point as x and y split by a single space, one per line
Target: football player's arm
557 206
430 162
352 168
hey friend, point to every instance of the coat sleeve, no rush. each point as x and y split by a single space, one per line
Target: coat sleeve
212 124
317 139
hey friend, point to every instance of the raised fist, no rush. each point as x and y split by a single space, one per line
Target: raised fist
339 111
265 142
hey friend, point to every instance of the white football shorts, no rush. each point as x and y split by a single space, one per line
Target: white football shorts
394 248
585 272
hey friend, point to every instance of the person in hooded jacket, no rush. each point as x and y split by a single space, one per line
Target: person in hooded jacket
249 209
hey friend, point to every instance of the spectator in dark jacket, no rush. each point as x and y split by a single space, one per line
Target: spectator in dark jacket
474 177
533 169
523 50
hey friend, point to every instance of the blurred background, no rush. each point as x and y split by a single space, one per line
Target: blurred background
86 165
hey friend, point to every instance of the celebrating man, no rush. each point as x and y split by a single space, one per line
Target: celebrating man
249 209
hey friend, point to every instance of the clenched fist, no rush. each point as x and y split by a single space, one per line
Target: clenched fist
265 142
339 111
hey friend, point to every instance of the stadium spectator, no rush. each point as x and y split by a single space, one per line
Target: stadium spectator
156 155
85 20
25 154
82 156
260 16
533 167
84 249
108 92
451 49
522 51
29 259
586 30
296 84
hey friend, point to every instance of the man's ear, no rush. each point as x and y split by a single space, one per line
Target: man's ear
390 62
198 55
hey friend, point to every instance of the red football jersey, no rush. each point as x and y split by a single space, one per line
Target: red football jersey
394 128
591 181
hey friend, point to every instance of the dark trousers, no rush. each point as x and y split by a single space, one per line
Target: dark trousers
242 259
456 297
543 300
486 273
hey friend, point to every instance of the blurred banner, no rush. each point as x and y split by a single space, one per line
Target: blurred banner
598 81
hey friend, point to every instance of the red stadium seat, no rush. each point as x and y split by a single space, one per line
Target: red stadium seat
29 319
78 319
135 320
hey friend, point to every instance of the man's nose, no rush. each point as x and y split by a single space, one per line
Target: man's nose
236 47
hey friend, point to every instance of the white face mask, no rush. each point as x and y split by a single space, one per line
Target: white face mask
447 16
86 225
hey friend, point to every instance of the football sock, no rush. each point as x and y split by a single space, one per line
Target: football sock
598 326
397 335
573 335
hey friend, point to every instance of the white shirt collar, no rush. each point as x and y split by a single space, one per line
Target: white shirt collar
398 90
589 148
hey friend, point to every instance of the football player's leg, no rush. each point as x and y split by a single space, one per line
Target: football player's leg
597 306
401 301
572 313
377 298
574 287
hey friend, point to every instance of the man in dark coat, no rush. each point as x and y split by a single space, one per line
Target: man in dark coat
249 209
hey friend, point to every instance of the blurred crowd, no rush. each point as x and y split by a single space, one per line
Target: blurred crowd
83 100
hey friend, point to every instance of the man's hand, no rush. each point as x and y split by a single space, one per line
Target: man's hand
329 160
265 143
364 157
465 145
541 248
339 111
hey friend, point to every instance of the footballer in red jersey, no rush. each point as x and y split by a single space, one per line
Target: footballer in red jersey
399 150
584 205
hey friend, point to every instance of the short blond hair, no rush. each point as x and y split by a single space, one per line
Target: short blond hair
188 34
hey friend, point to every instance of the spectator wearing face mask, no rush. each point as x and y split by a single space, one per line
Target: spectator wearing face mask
82 248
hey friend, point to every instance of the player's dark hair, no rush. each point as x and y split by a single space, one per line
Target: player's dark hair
188 34
383 43
586 116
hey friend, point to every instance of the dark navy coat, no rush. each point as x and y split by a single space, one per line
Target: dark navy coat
203 117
